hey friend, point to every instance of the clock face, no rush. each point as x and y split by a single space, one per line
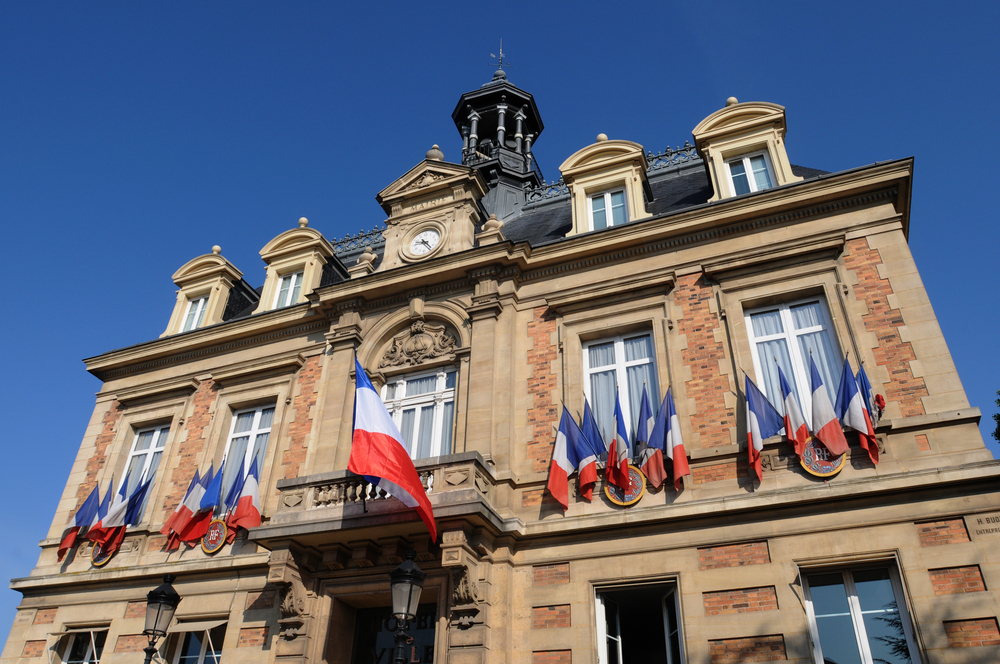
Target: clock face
424 242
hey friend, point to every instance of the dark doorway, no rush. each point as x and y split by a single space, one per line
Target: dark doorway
374 636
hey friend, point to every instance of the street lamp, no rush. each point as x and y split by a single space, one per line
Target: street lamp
160 606
406 582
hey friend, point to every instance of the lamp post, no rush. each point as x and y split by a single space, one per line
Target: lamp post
406 582
160 606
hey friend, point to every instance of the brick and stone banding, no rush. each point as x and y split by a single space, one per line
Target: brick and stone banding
972 633
547 617
734 555
136 609
716 472
552 657
261 600
33 649
131 643
542 383
299 430
193 447
109 425
252 637
743 600
935 533
45 616
547 575
769 648
957 580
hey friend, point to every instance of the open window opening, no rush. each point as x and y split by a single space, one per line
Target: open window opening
199 642
83 645
374 636
639 625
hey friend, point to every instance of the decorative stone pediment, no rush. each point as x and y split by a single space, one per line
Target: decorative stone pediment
295 241
207 266
739 117
419 343
426 177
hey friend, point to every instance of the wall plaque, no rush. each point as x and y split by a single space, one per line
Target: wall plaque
986 525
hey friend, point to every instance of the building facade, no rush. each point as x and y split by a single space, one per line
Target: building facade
490 299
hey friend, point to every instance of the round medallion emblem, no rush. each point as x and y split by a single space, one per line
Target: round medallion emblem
818 461
215 538
638 487
98 557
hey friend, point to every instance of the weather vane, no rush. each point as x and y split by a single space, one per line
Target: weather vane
500 60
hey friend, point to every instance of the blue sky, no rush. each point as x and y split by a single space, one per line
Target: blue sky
134 136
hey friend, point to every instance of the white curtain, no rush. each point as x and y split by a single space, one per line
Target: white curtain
770 352
640 348
602 387
819 343
406 428
446 426
426 433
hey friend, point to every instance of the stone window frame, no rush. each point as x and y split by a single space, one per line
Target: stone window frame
621 366
177 645
297 273
148 454
606 193
599 586
439 397
89 655
202 298
751 182
253 431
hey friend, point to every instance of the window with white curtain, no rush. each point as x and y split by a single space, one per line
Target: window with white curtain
195 313
144 459
85 646
788 335
749 173
859 616
288 289
248 436
607 209
423 407
627 363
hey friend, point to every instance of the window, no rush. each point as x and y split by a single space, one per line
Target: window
423 407
289 286
85 646
608 209
248 438
750 173
626 363
200 646
788 335
195 313
866 604
144 459
639 624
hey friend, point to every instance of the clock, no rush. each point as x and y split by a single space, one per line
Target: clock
424 242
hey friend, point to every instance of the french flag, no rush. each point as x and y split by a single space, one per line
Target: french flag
81 520
616 470
212 495
246 514
591 431
763 421
649 444
378 452
673 443
795 425
104 530
852 412
185 511
868 401
825 425
571 452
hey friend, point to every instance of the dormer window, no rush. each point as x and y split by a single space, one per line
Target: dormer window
288 290
750 173
195 313
608 208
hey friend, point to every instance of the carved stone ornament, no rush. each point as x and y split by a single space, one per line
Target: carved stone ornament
466 592
425 180
421 342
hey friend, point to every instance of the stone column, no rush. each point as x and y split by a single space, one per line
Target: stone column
473 134
517 134
501 128
465 142
484 312
333 445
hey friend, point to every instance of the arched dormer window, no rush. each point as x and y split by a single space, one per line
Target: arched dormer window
295 261
203 286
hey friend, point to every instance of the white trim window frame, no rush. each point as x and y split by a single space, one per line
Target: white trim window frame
790 340
620 367
250 430
195 313
609 650
749 170
287 292
609 633
864 609
143 460
412 398
208 651
90 652
611 201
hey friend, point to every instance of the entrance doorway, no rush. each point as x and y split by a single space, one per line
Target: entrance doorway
374 636
639 625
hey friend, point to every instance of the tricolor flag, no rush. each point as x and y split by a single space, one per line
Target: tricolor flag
668 430
591 431
616 470
571 452
183 512
795 425
378 452
210 498
246 513
82 519
649 437
853 414
763 421
825 425
133 513
104 530
868 397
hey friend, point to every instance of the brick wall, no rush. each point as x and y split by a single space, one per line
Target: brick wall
891 352
971 633
734 555
193 446
298 431
45 617
545 617
252 637
923 444
532 497
933 533
744 600
136 610
547 575
957 580
131 643
33 649
541 384
729 470
750 649
552 657
711 418
262 600
96 462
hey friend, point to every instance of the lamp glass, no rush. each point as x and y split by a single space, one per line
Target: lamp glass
160 606
407 581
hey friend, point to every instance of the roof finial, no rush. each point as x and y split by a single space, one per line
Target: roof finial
303 222
499 73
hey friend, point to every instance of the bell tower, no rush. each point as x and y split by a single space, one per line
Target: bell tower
499 124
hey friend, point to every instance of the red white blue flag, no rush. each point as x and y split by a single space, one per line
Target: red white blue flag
185 509
796 429
246 513
673 443
571 452
852 412
868 400
649 443
378 452
616 470
763 421
81 520
825 425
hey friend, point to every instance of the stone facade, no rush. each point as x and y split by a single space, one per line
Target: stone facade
503 315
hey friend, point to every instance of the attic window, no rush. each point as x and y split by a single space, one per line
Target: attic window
288 290
195 313
750 173
607 209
